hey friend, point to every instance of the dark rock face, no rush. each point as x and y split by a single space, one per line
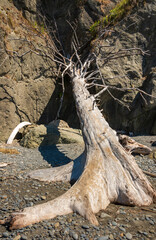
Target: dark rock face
137 31
29 89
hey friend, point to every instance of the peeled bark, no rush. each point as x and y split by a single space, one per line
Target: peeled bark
110 173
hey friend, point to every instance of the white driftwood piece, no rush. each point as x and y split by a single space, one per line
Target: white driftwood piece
132 146
110 173
4 164
15 131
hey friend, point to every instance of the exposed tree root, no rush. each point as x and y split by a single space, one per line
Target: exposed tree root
66 173
73 170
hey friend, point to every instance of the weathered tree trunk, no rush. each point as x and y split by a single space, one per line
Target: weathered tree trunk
110 173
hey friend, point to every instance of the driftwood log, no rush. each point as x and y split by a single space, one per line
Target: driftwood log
132 146
105 173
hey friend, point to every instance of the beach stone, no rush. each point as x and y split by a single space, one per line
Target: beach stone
73 235
66 230
122 212
69 219
103 238
51 233
85 226
31 204
43 197
17 237
114 223
122 229
104 215
23 237
111 237
83 235
57 225
41 135
5 234
4 196
151 222
128 236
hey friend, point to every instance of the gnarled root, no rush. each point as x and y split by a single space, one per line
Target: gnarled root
62 173
45 211
65 204
66 173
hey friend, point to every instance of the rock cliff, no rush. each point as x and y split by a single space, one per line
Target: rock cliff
27 80
29 89
136 31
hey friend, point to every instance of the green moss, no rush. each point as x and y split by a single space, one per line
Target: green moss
116 14
40 28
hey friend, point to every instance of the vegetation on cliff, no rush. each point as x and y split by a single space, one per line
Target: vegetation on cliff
116 14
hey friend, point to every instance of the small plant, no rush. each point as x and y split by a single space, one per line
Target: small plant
117 13
39 27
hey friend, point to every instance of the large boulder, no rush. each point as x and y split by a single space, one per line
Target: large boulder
54 133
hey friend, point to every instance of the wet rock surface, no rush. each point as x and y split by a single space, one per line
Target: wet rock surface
17 191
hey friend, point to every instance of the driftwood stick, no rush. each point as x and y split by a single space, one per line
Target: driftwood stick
149 174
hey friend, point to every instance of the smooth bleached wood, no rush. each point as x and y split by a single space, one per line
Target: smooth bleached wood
15 131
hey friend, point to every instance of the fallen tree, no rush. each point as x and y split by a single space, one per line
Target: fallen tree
105 173
110 174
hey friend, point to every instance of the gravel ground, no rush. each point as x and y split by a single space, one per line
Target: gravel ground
17 191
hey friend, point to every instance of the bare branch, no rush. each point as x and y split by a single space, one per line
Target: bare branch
91 74
78 57
59 39
63 90
99 93
77 44
119 101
